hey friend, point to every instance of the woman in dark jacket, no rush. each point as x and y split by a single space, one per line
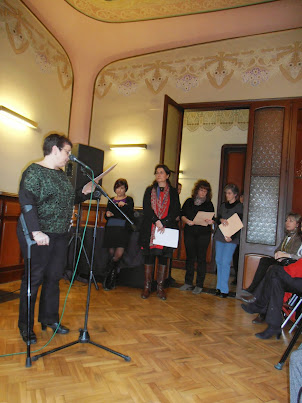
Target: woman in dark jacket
117 231
225 246
196 237
160 207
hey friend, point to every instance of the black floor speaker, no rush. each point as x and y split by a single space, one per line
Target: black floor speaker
91 156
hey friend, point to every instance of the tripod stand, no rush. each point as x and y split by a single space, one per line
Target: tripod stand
84 336
29 242
77 237
290 347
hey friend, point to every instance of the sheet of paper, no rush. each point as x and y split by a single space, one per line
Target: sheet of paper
235 224
201 216
168 238
88 186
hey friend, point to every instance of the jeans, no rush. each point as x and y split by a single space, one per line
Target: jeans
224 254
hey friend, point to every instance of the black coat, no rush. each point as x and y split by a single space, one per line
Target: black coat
151 218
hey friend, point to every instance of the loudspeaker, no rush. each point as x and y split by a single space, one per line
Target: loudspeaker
91 156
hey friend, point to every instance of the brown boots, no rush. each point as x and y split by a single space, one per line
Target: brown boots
161 271
148 280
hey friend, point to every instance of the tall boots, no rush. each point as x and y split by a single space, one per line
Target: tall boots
148 281
110 279
161 271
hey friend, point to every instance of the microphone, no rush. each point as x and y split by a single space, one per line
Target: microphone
74 159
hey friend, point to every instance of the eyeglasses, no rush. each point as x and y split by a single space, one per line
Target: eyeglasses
68 152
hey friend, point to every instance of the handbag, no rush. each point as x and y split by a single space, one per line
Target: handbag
286 261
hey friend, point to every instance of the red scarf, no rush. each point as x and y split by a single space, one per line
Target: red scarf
160 206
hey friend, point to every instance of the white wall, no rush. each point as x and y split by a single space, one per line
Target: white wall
200 157
31 84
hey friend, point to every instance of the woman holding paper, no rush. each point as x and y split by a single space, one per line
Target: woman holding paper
161 207
197 233
226 245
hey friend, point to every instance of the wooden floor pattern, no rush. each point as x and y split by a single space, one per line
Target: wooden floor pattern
190 348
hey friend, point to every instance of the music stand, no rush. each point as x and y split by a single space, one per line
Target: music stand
30 243
84 336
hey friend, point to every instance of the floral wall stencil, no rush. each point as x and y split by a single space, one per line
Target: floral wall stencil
189 68
25 33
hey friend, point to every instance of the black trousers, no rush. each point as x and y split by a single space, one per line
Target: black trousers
264 264
47 266
196 249
270 293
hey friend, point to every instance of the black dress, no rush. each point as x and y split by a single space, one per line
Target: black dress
118 230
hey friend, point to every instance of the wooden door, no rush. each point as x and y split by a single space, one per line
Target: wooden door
232 168
171 137
266 180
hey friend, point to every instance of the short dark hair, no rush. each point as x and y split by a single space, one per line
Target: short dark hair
55 139
234 188
120 182
202 184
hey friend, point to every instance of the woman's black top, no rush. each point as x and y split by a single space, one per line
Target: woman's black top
189 210
226 210
150 217
46 197
127 209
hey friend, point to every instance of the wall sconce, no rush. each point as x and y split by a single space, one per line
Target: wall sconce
8 113
128 146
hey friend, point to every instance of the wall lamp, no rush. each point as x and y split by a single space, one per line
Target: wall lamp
8 113
128 146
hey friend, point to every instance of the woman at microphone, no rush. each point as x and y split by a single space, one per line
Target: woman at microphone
46 197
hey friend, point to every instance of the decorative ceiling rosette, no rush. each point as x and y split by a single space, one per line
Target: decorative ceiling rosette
142 10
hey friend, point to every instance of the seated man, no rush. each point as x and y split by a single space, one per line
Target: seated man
269 296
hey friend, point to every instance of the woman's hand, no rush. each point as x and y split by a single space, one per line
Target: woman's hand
227 239
109 214
160 226
224 222
41 238
189 223
209 222
121 204
281 255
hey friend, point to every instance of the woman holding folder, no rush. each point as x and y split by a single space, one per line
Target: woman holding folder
225 245
197 213
161 208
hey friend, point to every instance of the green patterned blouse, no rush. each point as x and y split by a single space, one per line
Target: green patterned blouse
46 197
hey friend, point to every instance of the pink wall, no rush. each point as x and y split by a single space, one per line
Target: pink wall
92 44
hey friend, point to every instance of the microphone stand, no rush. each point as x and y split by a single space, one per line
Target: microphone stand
84 336
29 242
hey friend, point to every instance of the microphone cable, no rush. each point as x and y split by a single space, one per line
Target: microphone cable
69 288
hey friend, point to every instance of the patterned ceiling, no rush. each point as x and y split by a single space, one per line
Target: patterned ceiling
142 10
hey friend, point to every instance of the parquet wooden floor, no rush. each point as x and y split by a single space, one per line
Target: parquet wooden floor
190 348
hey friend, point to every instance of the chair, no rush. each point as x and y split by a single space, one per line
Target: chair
251 262
294 303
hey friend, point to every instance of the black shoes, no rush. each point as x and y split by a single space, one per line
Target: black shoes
248 308
220 294
32 337
61 329
269 332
